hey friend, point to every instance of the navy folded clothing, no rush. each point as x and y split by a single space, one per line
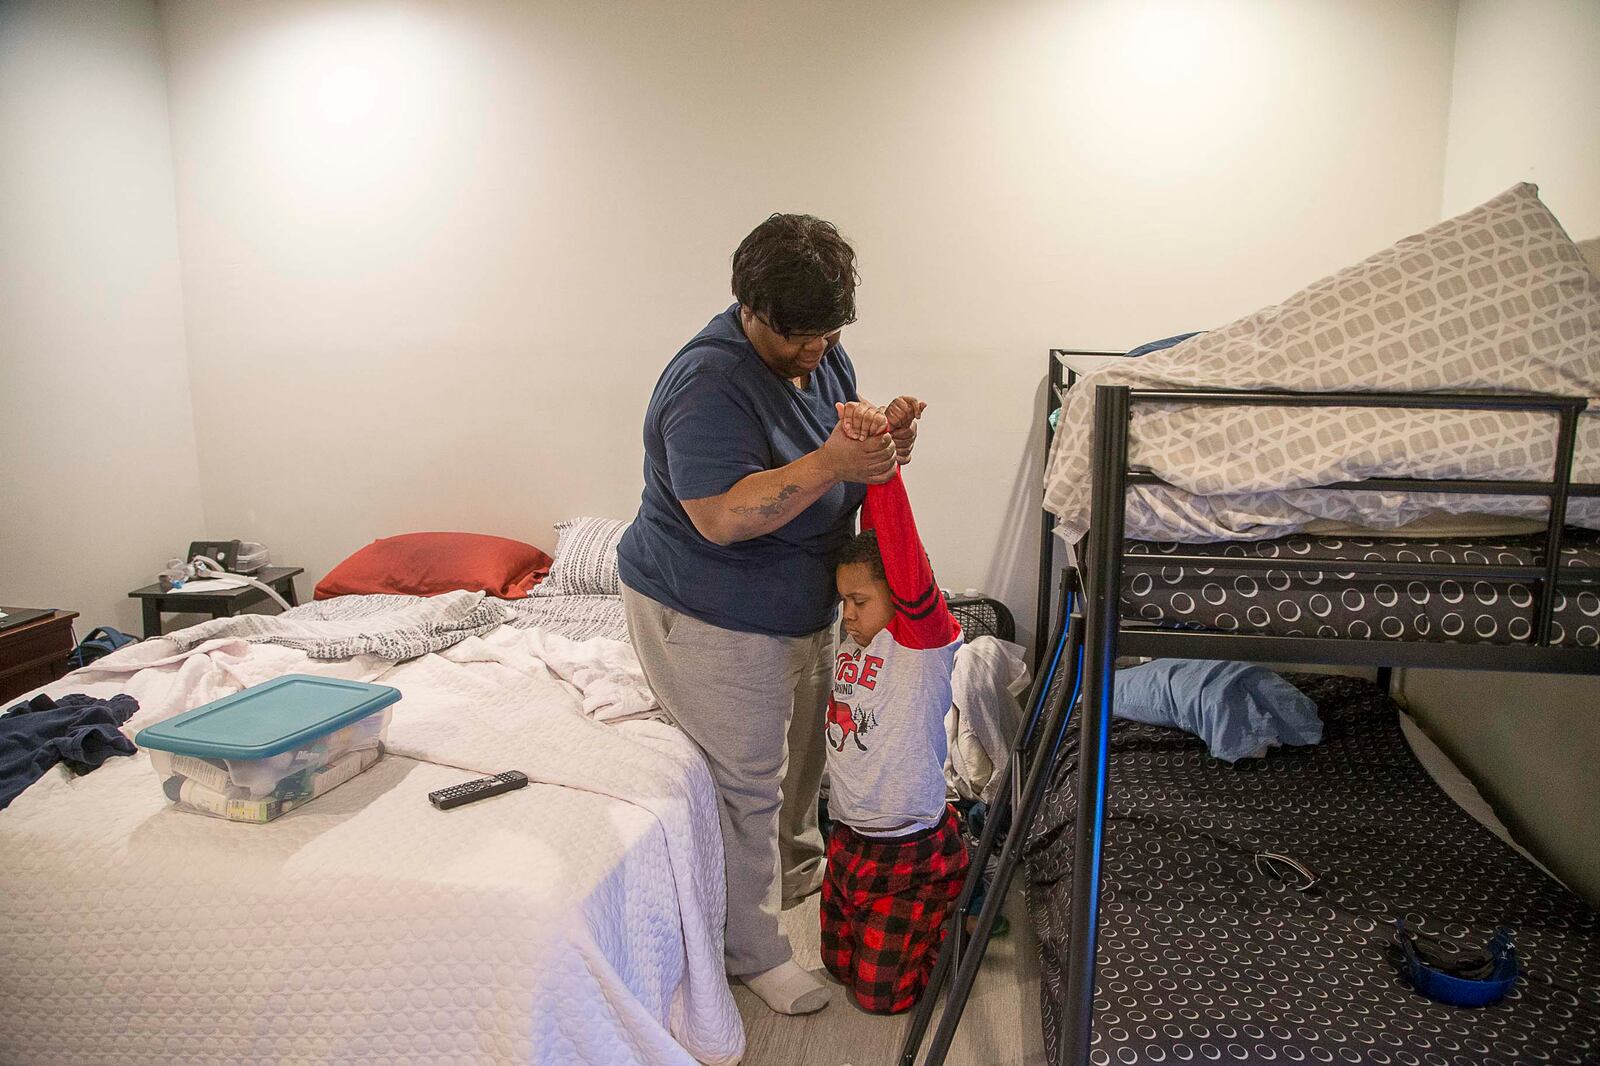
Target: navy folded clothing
76 729
1240 711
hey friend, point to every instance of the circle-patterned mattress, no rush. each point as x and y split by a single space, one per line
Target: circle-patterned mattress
1286 602
1205 958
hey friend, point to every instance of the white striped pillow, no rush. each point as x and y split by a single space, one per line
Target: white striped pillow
586 559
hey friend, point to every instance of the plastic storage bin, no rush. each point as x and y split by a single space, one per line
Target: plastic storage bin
256 754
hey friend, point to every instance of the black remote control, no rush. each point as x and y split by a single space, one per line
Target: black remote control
482 788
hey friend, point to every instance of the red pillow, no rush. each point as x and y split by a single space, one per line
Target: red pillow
426 564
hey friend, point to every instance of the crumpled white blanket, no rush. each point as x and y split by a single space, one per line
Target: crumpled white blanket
508 698
605 673
989 676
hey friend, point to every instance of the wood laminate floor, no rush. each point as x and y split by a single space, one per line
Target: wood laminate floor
1000 1028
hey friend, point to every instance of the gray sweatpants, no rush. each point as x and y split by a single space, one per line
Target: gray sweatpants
755 705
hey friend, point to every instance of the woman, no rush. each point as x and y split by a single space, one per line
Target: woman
750 487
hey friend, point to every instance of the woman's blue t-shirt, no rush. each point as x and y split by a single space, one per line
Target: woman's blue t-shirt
717 415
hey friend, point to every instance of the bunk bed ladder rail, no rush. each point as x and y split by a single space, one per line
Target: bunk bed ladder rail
1104 579
1057 381
1566 447
1021 790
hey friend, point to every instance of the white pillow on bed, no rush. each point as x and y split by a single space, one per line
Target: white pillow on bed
586 559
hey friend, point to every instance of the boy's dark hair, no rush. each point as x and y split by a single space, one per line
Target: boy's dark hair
862 548
798 274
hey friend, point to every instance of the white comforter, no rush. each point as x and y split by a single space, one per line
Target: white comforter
578 920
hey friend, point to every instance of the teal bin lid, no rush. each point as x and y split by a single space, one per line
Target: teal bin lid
268 719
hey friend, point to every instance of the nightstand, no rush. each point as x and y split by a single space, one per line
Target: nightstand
34 653
223 604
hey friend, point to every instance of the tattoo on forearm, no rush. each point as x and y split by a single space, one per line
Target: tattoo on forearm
772 507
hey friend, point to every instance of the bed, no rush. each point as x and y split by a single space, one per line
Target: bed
1261 974
1446 379
1206 957
578 920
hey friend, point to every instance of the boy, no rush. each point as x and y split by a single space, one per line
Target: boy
896 860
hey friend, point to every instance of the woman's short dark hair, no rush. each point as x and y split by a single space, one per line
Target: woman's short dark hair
798 274
862 548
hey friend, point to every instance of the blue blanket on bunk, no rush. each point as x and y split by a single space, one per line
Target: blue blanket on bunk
1240 711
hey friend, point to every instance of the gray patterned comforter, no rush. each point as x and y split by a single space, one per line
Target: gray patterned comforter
403 627
1496 300
574 617
391 627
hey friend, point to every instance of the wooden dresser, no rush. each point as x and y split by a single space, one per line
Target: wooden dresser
33 653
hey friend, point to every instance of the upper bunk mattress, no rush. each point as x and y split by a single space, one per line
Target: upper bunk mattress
1285 602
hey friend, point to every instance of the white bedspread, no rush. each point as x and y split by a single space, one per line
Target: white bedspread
577 920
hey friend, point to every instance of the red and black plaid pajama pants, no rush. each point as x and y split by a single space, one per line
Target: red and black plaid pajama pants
884 905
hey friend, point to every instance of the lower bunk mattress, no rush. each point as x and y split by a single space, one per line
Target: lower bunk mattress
1285 602
1206 957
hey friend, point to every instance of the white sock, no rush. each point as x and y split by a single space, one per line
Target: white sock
788 989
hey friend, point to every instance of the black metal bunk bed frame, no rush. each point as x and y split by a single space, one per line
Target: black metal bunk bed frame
1084 644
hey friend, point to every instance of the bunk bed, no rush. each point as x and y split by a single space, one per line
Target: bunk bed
1174 994
1063 796
1563 572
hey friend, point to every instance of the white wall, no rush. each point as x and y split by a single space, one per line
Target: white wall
435 256
1531 745
1525 106
98 480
